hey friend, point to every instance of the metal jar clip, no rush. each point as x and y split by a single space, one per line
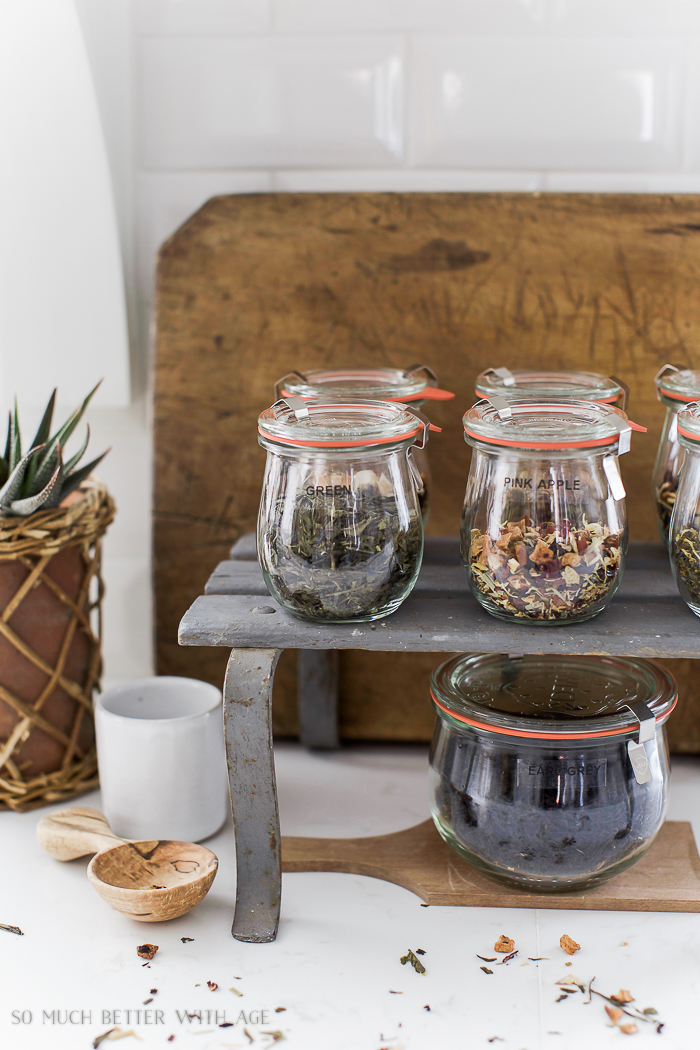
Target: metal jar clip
635 748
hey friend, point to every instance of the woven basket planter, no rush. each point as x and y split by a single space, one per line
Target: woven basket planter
50 648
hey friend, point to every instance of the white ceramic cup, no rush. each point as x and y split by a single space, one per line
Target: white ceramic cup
160 750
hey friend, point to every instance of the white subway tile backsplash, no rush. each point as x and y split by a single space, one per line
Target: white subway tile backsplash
623 17
405 180
547 103
165 199
201 16
248 102
456 16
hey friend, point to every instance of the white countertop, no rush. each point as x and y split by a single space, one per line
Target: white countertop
335 962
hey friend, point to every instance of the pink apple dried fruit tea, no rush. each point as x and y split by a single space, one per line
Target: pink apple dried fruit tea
545 571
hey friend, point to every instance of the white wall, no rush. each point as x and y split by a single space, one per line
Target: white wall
202 97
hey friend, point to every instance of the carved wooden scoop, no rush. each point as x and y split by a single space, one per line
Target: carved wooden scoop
151 881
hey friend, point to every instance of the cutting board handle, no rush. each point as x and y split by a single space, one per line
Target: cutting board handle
76 832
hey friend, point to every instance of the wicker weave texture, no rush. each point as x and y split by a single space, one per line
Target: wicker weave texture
51 593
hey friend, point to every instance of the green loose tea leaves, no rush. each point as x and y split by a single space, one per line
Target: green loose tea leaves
686 556
354 555
545 570
412 958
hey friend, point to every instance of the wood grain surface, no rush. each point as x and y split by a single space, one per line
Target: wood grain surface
252 286
666 878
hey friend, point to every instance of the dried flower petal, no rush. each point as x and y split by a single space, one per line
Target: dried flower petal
504 944
146 951
623 996
568 944
629 1029
614 1013
212 986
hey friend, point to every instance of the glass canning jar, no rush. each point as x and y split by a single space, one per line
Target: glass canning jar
684 547
582 386
414 385
340 534
675 388
550 772
544 526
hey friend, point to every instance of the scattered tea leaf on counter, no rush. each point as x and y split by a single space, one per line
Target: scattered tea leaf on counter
507 958
186 939
659 1027
280 1009
413 959
146 951
420 951
227 1024
122 1035
276 1037
154 991
560 998
235 991
496 1038
614 1013
539 958
392 992
504 944
426 1007
248 1036
623 996
650 1011
629 1029
485 958
147 1001
11 929
486 969
569 944
212 986
96 1042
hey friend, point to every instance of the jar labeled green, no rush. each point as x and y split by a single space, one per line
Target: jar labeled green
340 533
547 772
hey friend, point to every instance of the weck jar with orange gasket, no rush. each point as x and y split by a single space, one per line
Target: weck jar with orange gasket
414 385
550 773
675 388
544 524
525 382
340 532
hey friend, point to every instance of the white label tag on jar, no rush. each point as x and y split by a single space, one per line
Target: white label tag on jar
612 473
640 762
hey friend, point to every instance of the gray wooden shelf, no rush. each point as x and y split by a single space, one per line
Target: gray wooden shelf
647 618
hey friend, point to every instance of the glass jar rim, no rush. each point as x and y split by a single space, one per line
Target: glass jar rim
417 383
688 423
678 384
644 680
341 424
523 382
554 423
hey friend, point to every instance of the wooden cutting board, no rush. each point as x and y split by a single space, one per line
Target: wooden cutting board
252 286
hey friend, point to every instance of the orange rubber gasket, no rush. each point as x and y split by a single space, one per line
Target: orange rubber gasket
543 736
687 434
431 393
344 444
598 442
677 397
593 400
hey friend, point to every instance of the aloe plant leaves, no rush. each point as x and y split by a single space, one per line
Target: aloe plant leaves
40 479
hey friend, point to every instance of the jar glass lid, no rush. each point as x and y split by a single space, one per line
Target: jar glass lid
550 424
417 383
678 384
341 424
689 422
584 386
552 696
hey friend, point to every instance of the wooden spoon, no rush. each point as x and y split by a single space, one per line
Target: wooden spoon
151 881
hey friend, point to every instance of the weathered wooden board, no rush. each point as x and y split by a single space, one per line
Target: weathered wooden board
252 286
667 878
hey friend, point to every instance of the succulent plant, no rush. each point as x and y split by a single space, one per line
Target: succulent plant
40 479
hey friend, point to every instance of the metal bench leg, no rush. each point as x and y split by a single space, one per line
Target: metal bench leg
317 688
251 769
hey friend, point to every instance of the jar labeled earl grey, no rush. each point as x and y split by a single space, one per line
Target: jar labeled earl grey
550 772
544 526
340 533
414 385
